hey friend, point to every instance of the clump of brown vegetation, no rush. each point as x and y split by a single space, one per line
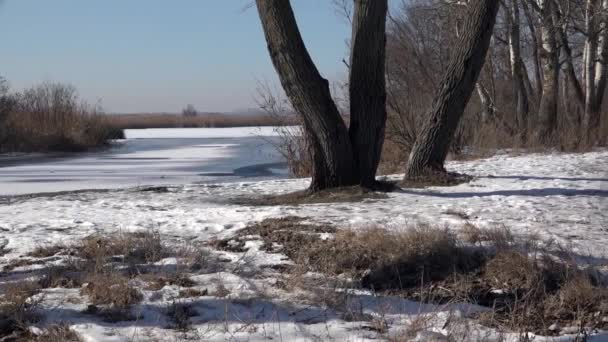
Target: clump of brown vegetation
17 307
110 270
111 296
46 251
131 248
179 314
111 289
285 235
158 281
56 333
526 286
51 117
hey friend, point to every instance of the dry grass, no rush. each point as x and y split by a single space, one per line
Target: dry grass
17 307
56 333
179 314
131 248
192 293
70 276
108 270
50 117
527 287
47 251
111 297
111 289
156 282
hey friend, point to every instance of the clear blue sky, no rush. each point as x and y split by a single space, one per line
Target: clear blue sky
156 55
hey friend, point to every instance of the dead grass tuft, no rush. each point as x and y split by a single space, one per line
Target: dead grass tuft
192 293
47 251
18 307
179 314
527 287
111 289
513 271
500 238
156 282
133 248
57 333
62 276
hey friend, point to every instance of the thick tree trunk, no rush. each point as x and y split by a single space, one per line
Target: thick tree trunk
591 46
537 68
431 148
367 86
549 57
519 87
591 117
310 96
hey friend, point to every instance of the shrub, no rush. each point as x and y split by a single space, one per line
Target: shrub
51 117
17 308
111 289
189 111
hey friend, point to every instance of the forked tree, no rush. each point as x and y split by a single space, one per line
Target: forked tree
428 155
341 156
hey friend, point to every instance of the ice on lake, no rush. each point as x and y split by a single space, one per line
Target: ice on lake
149 157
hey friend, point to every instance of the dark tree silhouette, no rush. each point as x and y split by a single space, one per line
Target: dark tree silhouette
430 150
340 157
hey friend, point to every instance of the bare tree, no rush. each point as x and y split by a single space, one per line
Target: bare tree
335 159
428 155
517 67
189 111
549 60
367 86
596 58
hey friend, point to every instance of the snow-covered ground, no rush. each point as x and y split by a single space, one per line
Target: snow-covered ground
557 196
148 157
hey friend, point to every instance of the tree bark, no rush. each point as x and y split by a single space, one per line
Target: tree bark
310 96
519 87
431 148
367 86
487 107
591 46
549 57
533 33
591 117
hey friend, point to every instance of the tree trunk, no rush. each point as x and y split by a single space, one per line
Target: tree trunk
367 86
310 96
537 68
591 46
519 87
591 118
431 148
549 57
487 107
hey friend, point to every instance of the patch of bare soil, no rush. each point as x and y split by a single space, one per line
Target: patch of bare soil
342 195
436 179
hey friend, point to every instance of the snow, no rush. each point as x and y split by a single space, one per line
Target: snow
229 132
148 157
562 197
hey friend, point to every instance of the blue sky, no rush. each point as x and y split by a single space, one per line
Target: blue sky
157 55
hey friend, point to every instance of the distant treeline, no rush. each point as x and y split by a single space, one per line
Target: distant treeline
135 121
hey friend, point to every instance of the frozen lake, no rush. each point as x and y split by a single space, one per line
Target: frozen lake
150 157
